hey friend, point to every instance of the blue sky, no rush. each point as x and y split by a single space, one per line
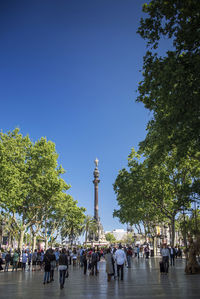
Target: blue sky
69 71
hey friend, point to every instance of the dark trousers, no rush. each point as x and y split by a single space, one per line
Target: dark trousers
172 259
166 263
85 266
120 268
51 275
46 276
94 268
62 274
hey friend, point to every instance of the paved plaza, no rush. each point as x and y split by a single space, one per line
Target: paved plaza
141 281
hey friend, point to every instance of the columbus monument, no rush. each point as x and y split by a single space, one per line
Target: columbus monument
96 182
99 237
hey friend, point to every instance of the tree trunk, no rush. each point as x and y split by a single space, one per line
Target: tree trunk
154 245
86 233
145 234
34 242
172 230
21 239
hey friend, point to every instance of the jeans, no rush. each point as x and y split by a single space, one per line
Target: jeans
129 261
166 263
62 274
46 276
94 268
15 265
121 268
7 266
172 259
85 266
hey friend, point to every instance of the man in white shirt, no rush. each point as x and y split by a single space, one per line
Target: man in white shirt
120 258
165 257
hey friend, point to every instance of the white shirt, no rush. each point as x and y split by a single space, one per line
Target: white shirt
120 257
165 252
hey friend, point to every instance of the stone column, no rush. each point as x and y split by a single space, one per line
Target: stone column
96 183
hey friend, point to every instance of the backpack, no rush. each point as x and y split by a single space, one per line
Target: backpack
34 257
95 257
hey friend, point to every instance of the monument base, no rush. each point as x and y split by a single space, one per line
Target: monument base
101 243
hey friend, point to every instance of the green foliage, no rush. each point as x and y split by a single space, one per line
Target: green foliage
89 227
110 238
128 239
189 225
32 191
170 85
167 181
153 195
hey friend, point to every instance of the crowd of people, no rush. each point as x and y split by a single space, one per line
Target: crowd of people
88 259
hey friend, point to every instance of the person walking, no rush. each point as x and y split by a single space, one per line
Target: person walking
179 252
34 260
138 251
165 257
109 264
147 250
7 261
15 260
47 267
29 260
74 257
172 255
94 260
53 264
129 255
57 254
63 266
81 256
84 261
1 262
120 258
24 260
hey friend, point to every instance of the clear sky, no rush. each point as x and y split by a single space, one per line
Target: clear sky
69 70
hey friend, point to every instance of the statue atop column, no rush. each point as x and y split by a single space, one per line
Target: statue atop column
96 182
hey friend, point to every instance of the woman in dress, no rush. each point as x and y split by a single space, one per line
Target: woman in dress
109 264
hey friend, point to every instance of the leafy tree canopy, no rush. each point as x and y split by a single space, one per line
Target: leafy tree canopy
171 84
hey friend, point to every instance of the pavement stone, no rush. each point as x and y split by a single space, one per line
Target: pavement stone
143 280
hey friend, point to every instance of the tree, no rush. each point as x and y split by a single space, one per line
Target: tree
171 83
30 180
89 227
110 238
134 196
153 195
189 224
72 223
128 239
